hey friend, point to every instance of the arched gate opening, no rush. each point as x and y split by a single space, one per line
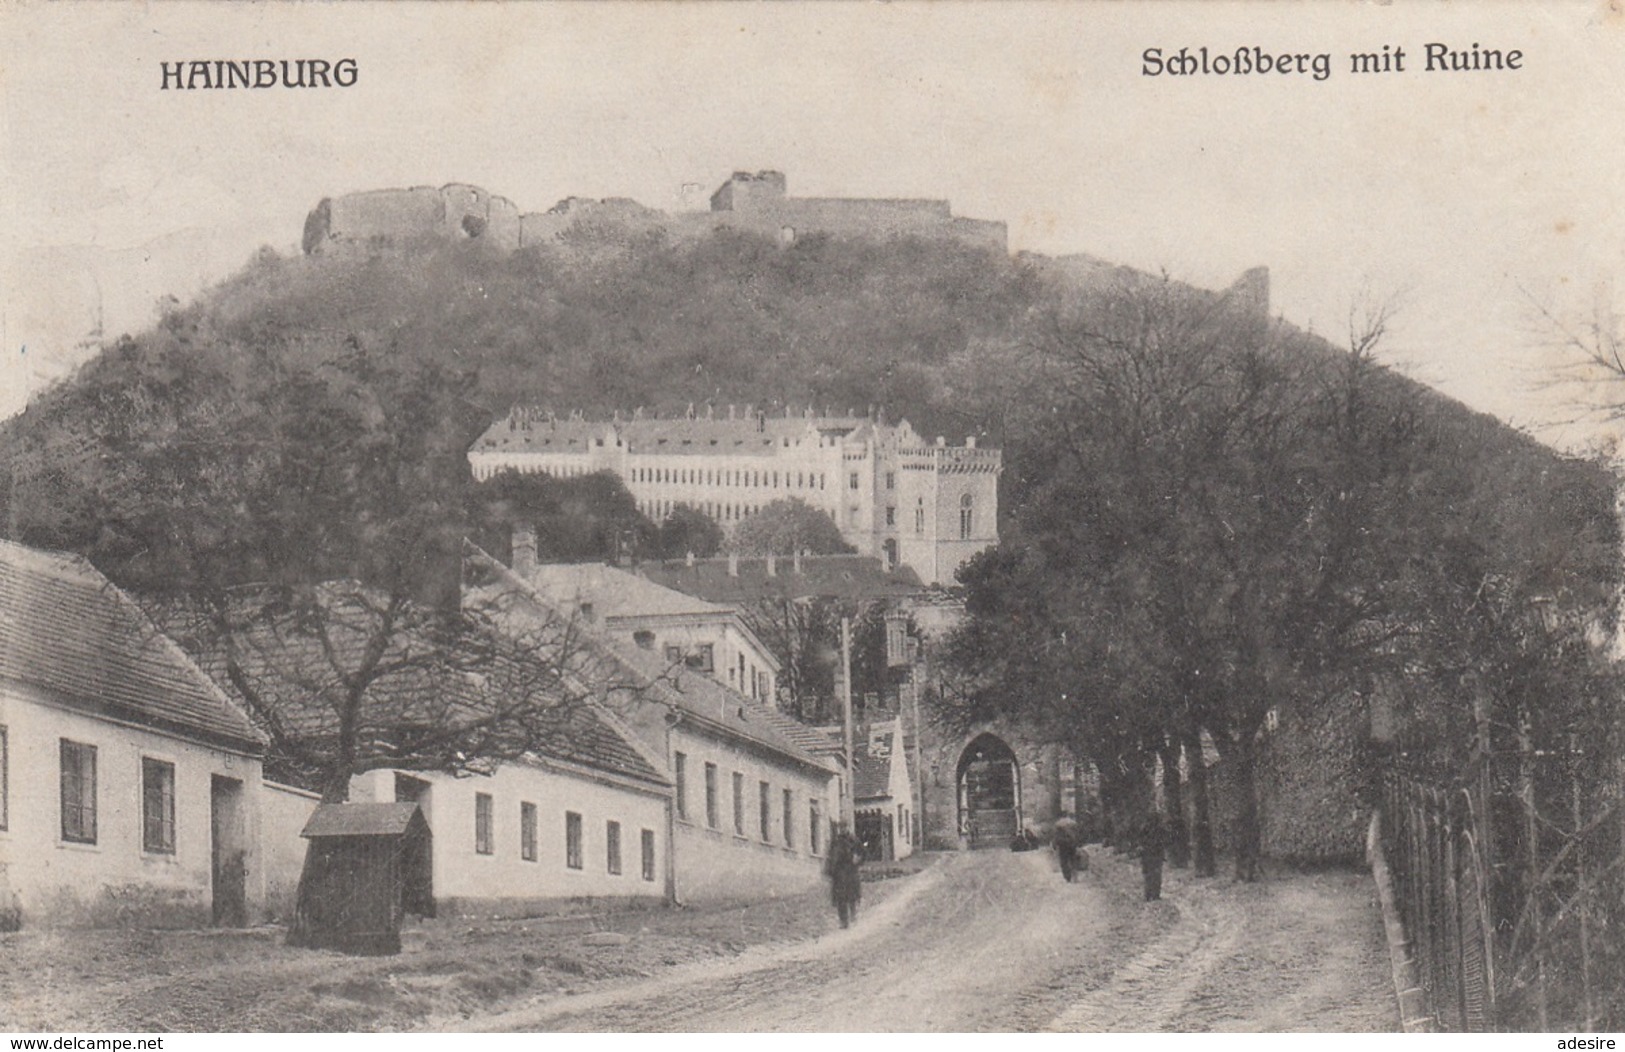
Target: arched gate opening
989 792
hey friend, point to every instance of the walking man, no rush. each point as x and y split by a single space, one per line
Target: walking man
1065 839
1153 847
841 867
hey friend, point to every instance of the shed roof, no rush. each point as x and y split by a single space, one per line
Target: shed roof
70 633
333 820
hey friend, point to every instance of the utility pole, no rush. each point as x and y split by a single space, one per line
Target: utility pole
849 788
903 651
916 672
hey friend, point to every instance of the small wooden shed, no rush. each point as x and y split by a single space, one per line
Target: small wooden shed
368 866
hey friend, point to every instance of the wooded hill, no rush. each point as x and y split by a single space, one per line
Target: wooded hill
436 339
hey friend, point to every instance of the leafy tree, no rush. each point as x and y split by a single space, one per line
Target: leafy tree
297 520
1217 518
804 633
576 519
686 531
787 526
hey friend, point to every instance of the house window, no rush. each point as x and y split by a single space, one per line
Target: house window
711 818
789 819
680 775
852 481
814 818
157 806
703 659
902 823
965 514
644 638
5 775
527 832
764 802
764 686
891 480
648 841
78 792
739 803
482 823
612 847
572 840
891 515
919 516
674 654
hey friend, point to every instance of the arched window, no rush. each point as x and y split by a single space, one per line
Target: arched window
966 516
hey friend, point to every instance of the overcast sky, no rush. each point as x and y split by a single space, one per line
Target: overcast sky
1461 190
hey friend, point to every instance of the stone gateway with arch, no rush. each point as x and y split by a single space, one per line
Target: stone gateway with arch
983 787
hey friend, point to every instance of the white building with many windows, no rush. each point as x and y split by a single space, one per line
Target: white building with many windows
685 631
583 819
925 505
750 802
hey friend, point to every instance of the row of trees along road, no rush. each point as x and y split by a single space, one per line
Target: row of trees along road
1213 518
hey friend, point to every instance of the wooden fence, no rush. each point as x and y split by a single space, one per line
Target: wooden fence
1509 884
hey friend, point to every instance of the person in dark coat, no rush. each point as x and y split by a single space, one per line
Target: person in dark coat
841 867
1064 837
1153 847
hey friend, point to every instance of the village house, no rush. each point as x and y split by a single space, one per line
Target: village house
751 804
129 782
583 819
581 814
883 792
699 635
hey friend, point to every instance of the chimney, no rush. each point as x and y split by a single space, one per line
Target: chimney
772 565
524 550
941 442
970 441
733 564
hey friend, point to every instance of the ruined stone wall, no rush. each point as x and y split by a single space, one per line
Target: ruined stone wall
755 203
580 214
792 218
392 217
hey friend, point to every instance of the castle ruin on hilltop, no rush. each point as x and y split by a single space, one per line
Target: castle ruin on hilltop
757 202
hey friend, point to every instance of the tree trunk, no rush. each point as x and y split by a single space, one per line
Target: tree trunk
1178 839
335 790
1206 864
1111 804
1244 757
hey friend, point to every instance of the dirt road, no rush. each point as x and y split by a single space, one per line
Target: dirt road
995 941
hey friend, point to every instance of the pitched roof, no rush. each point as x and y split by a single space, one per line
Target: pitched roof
301 680
823 576
873 760
650 675
533 431
68 632
615 592
360 819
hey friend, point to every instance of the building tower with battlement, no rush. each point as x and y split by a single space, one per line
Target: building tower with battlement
925 505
